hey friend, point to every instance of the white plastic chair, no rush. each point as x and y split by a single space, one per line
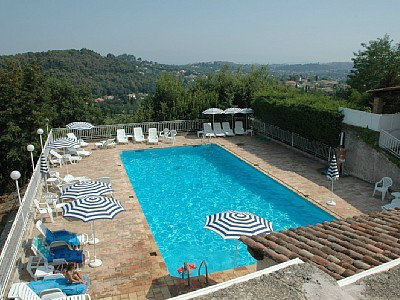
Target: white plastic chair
164 133
43 211
171 136
227 129
218 130
138 135
239 128
207 130
153 137
121 136
383 186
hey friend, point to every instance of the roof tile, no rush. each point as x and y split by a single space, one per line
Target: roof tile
340 248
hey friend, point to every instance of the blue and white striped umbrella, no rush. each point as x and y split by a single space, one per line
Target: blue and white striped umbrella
86 188
62 143
92 208
333 172
79 125
44 166
231 225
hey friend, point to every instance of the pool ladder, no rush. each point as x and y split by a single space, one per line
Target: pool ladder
186 269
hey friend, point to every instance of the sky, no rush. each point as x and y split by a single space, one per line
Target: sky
188 31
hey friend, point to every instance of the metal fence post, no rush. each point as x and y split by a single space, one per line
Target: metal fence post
292 139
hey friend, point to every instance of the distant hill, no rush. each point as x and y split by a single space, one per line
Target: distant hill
104 75
333 70
124 74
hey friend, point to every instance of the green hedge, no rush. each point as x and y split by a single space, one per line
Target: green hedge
312 116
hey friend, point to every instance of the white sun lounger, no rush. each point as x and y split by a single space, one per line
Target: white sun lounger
121 136
239 128
218 130
227 129
207 130
395 203
138 135
72 136
22 291
153 137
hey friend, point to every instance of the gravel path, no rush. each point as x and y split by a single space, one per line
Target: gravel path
384 285
302 282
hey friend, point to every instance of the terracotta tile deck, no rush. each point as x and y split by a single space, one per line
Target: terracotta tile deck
130 272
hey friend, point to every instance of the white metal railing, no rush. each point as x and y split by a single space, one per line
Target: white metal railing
108 131
389 143
11 248
294 140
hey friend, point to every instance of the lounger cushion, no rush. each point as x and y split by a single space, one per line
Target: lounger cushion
59 283
62 235
67 254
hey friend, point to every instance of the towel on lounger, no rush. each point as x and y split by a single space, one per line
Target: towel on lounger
62 235
59 283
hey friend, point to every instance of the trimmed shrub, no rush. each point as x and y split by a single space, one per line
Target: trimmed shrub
313 116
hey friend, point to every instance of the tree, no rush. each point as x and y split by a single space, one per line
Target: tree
376 66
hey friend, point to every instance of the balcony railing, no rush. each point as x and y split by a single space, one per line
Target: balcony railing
12 246
389 143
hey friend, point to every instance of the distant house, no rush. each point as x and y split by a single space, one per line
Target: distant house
132 96
291 83
109 97
98 100
386 100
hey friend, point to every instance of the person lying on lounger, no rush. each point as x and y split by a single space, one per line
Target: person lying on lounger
72 275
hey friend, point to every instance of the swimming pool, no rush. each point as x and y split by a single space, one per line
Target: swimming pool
178 187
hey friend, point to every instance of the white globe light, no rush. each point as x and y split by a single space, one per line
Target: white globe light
30 148
15 175
40 131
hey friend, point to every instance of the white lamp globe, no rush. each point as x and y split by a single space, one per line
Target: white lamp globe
40 131
15 175
30 148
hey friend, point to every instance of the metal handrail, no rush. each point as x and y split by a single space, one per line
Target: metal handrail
206 268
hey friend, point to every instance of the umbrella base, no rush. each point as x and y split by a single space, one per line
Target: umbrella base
93 241
94 263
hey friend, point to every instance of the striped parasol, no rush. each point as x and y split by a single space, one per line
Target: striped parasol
91 208
79 125
44 166
86 188
231 225
62 143
332 174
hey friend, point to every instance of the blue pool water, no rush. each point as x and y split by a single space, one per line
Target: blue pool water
178 187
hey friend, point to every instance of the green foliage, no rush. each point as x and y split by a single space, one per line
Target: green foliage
27 99
313 116
174 100
376 66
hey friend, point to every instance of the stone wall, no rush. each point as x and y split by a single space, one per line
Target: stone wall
366 163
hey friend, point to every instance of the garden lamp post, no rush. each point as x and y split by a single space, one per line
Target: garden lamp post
15 175
47 126
40 133
30 148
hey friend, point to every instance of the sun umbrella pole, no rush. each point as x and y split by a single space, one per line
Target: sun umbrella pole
332 186
236 252
94 238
